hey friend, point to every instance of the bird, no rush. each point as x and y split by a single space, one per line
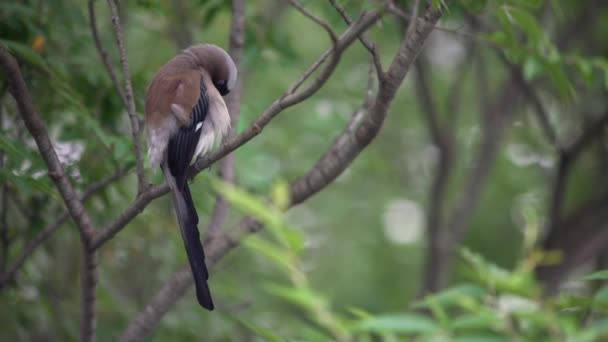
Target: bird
187 117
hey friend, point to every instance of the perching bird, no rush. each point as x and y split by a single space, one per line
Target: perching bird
186 117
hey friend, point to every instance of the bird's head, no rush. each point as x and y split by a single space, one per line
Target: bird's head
217 63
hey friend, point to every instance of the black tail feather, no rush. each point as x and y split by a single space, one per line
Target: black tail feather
188 220
196 254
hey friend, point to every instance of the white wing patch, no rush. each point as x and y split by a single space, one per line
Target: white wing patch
217 123
198 126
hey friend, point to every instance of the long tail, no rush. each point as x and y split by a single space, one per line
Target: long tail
188 220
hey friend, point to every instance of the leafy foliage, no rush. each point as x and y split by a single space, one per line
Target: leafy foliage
347 264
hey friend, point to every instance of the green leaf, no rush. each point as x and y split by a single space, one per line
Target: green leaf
301 296
527 22
478 337
262 332
269 215
533 67
601 296
17 151
473 322
279 257
398 323
247 203
599 275
532 4
27 182
453 296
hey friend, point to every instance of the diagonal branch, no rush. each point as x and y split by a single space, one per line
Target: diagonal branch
37 129
356 136
332 35
136 123
363 38
287 100
290 98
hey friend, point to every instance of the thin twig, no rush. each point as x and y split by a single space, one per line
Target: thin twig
332 35
105 58
136 123
494 119
139 204
345 149
289 98
363 38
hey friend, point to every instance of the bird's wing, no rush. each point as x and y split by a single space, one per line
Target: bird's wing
170 99
169 89
182 144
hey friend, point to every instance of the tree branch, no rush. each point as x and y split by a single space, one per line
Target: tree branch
226 172
278 106
332 35
567 157
105 58
442 139
140 203
289 99
349 144
136 123
37 129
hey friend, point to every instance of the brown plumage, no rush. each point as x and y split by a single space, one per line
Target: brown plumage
186 117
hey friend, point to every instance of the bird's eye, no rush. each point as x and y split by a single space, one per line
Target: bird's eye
222 87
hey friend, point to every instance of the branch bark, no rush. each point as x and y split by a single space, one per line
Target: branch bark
136 123
37 129
105 58
287 100
442 139
345 148
227 171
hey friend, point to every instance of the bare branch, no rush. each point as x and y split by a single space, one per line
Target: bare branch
88 276
37 129
346 147
349 145
104 54
414 18
289 99
226 172
567 158
494 118
363 38
580 236
443 141
140 203
216 248
136 123
332 35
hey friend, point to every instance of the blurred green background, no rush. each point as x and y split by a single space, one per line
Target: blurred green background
364 235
